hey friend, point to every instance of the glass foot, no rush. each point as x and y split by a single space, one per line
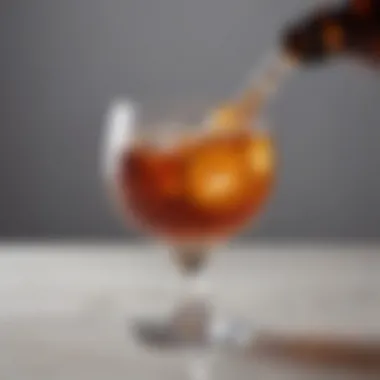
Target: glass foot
192 325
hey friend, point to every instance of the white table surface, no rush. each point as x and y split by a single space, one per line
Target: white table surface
63 308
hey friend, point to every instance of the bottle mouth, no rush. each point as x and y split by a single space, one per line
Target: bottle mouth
317 36
303 46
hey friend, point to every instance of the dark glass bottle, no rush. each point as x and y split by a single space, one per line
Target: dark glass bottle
350 29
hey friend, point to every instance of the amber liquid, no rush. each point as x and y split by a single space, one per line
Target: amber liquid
204 188
208 187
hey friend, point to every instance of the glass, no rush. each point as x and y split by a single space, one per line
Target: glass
192 187
192 180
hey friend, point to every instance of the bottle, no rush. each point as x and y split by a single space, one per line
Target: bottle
351 29
348 29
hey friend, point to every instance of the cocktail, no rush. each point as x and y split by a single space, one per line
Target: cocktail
192 188
193 182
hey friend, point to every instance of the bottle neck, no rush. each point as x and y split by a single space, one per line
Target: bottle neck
348 29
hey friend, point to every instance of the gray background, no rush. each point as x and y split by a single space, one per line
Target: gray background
62 61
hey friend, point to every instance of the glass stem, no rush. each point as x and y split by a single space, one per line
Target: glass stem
197 310
196 286
194 313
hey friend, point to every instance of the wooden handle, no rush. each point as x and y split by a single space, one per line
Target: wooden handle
322 352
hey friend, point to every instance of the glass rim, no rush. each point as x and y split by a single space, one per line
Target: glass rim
130 117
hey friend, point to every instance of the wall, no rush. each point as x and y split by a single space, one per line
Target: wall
62 61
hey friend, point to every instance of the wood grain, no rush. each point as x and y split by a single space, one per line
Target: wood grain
330 352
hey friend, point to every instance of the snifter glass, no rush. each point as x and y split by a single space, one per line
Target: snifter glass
193 178
192 185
